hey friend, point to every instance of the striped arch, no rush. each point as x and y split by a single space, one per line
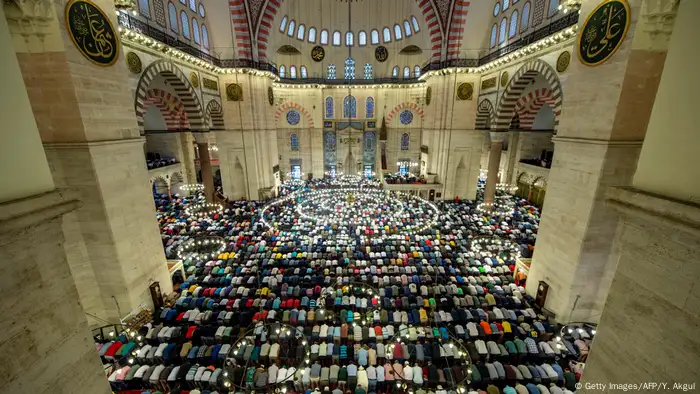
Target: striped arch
241 28
484 115
177 80
519 82
172 110
530 104
434 29
265 27
456 31
291 105
214 115
410 106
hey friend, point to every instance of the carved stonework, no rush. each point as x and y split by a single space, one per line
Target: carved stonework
30 18
658 17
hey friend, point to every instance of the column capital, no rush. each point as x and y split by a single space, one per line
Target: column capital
30 18
657 19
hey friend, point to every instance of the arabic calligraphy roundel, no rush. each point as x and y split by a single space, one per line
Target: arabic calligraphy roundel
603 32
92 32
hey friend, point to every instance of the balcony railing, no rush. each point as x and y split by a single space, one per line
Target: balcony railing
326 81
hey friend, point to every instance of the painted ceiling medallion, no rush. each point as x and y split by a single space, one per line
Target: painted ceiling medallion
92 32
234 92
603 32
318 53
381 54
465 91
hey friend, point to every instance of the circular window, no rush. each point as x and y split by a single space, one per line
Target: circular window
406 117
201 10
497 9
293 117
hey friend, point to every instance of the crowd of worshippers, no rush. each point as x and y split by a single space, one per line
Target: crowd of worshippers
276 310
404 179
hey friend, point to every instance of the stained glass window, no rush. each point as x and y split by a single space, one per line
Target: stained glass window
369 142
375 37
506 4
201 10
185 24
349 39
397 32
405 139
525 19
416 71
336 38
368 71
290 29
513 24
283 69
294 139
293 72
395 72
387 34
406 117
195 31
300 32
369 108
324 37
329 107
193 5
416 28
331 71
553 7
144 8
362 38
293 118
497 9
349 68
407 28
349 107
172 16
283 24
312 34
205 37
303 72
502 32
494 35
406 72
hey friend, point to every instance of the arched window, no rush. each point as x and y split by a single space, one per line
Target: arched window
395 72
349 68
416 28
369 74
291 27
407 28
205 37
283 24
513 24
553 7
336 38
387 35
183 2
294 142
185 21
416 71
397 32
369 108
362 38
293 72
406 72
405 141
144 8
312 34
195 31
497 9
349 39
502 32
375 37
494 35
324 37
193 5
506 4
300 32
329 107
349 107
304 74
525 19
283 70
201 10
172 16
331 71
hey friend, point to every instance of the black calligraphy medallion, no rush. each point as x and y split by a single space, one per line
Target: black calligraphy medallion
603 32
92 32
270 95
381 54
318 53
465 91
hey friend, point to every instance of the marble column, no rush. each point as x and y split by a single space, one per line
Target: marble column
492 177
653 308
205 165
45 343
603 123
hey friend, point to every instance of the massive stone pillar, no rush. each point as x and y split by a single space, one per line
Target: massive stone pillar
85 116
658 240
514 151
43 329
205 165
190 172
604 118
494 166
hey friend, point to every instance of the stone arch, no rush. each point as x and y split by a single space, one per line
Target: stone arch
529 105
183 89
292 105
522 78
161 184
540 181
241 27
523 177
170 107
484 115
413 107
214 115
